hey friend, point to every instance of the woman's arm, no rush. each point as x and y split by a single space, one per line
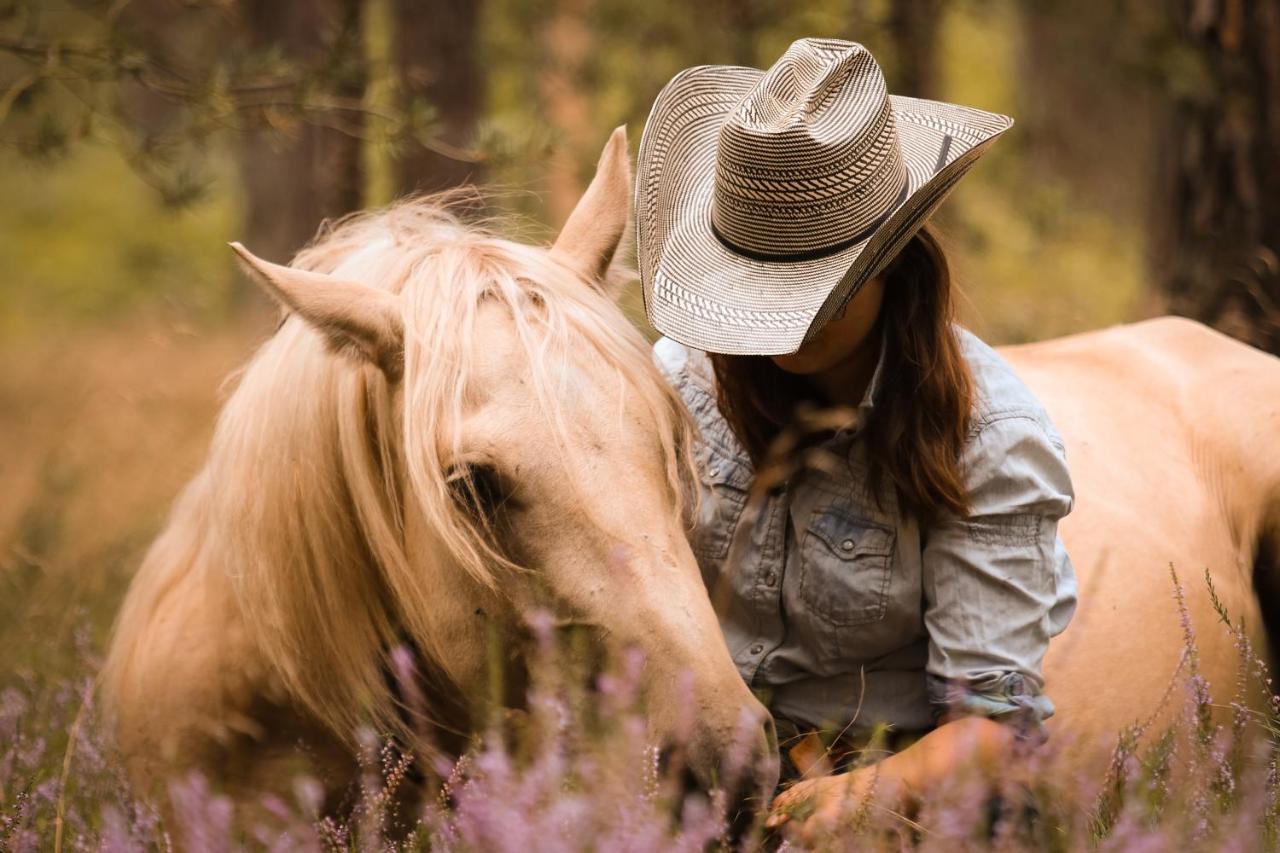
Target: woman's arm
967 744
994 594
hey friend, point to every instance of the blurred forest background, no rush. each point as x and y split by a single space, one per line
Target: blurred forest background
137 138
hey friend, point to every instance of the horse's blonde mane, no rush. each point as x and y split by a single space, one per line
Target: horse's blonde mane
301 507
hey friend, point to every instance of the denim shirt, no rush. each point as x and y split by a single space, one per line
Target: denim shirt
843 612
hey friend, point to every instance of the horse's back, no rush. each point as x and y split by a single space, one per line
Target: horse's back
1171 361
1168 388
1169 428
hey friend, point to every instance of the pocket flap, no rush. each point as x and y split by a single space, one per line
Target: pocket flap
849 537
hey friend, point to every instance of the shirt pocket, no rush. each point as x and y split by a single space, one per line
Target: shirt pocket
846 563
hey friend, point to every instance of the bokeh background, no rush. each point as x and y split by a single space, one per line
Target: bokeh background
137 138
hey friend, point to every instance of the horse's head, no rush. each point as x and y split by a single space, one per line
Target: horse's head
538 459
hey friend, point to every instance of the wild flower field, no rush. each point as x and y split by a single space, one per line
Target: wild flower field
575 774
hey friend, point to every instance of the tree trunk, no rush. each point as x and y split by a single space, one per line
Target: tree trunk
743 21
436 44
299 174
1218 230
567 44
913 33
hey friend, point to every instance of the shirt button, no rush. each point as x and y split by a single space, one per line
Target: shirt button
846 545
770 578
714 470
757 649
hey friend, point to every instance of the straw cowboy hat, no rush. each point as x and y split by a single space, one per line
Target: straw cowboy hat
766 199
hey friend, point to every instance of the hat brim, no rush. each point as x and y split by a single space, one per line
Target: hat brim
701 292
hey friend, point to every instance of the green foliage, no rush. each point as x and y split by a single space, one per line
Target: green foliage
1036 252
85 239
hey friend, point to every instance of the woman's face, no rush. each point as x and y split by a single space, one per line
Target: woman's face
837 341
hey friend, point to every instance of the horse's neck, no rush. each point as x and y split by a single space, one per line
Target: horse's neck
281 531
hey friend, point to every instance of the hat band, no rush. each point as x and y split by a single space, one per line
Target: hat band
822 251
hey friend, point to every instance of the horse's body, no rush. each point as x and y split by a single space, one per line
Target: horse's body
426 455
1172 434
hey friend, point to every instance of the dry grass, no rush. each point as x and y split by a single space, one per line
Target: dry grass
101 429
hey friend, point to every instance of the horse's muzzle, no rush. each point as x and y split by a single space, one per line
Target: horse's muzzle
746 774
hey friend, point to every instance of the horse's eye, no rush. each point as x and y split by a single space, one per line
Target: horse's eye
480 489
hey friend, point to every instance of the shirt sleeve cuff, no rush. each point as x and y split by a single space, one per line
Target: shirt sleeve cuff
1002 696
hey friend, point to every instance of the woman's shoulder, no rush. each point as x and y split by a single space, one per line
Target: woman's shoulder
690 373
682 364
1001 395
1015 460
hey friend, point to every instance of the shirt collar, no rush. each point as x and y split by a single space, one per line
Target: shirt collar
873 387
869 396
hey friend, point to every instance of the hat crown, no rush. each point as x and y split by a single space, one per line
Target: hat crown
808 162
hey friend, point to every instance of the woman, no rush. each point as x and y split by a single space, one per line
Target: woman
913 576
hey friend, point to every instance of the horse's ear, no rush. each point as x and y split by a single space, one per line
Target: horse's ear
352 316
591 236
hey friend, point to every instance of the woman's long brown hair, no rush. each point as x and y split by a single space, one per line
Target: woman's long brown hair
924 402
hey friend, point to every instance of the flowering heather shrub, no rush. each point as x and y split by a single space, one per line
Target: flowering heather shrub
573 773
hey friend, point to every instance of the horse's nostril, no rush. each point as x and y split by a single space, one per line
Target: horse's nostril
770 735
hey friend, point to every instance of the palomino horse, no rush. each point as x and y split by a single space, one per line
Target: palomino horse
449 432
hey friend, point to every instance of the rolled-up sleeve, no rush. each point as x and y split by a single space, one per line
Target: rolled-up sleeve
998 584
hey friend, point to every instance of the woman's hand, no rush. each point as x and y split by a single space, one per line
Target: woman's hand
812 808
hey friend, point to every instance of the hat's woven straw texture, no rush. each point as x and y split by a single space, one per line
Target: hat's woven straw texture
765 200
